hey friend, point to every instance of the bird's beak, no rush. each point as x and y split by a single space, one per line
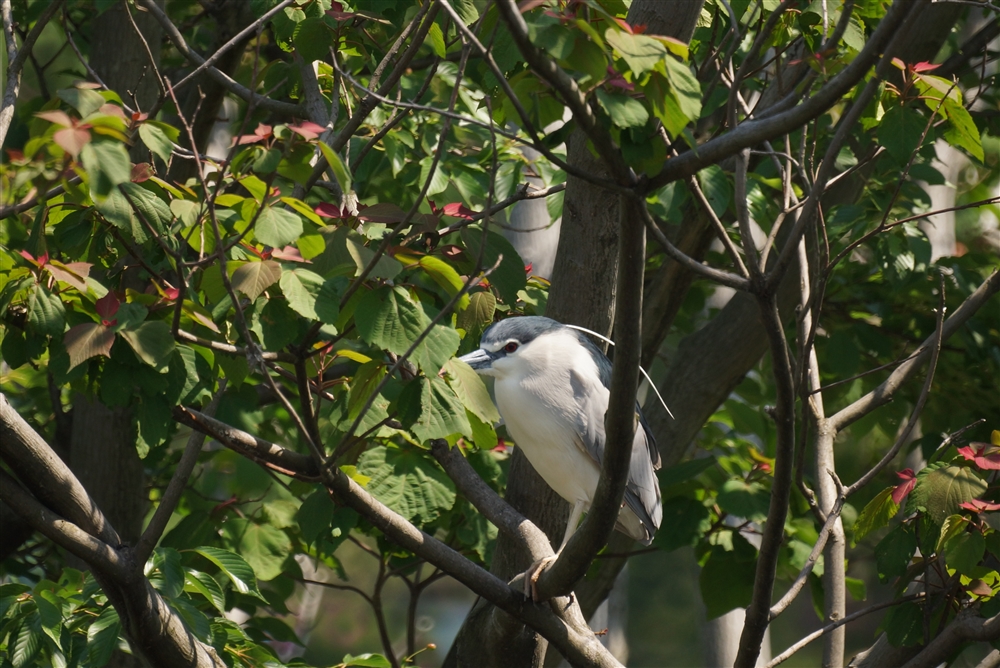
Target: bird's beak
479 360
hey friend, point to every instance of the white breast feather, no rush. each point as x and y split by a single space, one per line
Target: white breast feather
535 409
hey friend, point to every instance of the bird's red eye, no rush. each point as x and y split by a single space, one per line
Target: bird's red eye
510 347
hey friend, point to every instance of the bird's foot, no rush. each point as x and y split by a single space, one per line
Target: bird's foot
533 573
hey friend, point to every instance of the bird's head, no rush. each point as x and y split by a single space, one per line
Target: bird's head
512 347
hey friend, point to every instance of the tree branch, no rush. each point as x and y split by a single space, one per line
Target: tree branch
756 131
884 393
221 78
17 57
48 477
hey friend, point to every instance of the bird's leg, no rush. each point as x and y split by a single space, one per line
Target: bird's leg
535 570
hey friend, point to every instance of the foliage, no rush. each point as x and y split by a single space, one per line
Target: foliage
333 311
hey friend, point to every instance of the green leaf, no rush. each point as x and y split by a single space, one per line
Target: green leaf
84 100
685 520
340 170
108 165
445 275
857 588
965 551
899 132
277 227
264 547
165 572
963 132
876 514
408 482
893 553
365 381
207 586
46 312
685 87
684 471
904 625
482 306
253 278
466 10
156 140
435 39
743 499
718 190
509 277
385 267
234 567
438 182
152 208
88 340
102 636
28 641
430 409
152 342
726 579
436 349
941 489
314 515
301 288
642 53
470 389
312 39
389 319
366 661
625 112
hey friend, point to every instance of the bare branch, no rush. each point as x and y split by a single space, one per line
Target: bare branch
968 626
220 77
17 57
705 271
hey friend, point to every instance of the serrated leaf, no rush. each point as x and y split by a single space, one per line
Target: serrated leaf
408 482
156 212
726 580
965 551
156 140
108 165
625 112
264 547
385 267
301 288
234 567
312 39
470 389
482 306
46 312
509 277
685 86
102 636
430 409
88 340
363 385
389 319
207 586
876 514
963 131
253 278
903 625
743 499
641 52
941 490
277 227
152 342
893 553
84 100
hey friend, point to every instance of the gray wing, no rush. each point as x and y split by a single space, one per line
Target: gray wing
640 518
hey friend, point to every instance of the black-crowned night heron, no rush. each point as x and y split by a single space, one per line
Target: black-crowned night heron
552 390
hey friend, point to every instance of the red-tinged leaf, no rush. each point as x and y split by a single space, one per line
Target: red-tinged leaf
528 267
113 110
327 210
308 129
57 117
458 210
383 212
925 66
171 294
625 26
15 155
616 79
30 258
980 506
141 172
74 273
985 456
139 117
107 305
248 139
979 588
72 140
288 254
263 130
88 340
337 13
451 250
901 491
43 259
